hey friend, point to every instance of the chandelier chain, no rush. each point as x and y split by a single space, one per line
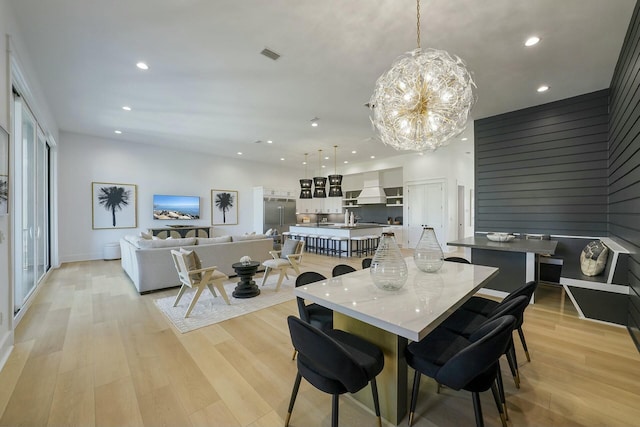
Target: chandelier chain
418 22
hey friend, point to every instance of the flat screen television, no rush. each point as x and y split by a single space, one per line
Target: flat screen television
176 207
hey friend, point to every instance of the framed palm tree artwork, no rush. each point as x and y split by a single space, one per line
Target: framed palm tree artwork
114 205
224 207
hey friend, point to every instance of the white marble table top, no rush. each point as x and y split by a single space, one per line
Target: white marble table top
412 312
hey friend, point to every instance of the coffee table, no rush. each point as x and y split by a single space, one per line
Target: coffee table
246 287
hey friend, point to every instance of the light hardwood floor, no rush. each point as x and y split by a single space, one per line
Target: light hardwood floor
92 352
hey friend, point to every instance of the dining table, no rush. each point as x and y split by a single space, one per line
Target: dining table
390 319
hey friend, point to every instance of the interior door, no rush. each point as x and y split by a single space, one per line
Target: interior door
425 207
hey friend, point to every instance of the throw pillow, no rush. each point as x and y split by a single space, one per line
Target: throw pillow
269 232
289 248
146 236
593 258
193 262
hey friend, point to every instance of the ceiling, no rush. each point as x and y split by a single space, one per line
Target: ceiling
209 89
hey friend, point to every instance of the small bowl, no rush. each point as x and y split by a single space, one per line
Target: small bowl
500 237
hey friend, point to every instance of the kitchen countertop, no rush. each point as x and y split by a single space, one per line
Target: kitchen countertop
516 245
340 226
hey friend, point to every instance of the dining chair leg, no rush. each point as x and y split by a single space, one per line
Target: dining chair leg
180 293
524 344
477 409
294 393
376 402
334 411
501 390
513 364
194 300
497 399
295 352
414 396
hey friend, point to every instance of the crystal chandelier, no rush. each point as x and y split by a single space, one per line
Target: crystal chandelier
423 100
335 180
305 184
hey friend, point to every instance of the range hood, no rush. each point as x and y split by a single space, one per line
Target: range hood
372 193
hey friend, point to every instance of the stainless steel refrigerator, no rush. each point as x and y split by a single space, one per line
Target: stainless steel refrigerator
279 214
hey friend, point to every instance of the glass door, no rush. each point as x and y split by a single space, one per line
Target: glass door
31 216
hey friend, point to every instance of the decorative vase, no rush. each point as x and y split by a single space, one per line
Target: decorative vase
388 268
428 253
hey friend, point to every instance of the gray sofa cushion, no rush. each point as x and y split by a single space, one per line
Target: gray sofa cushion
166 243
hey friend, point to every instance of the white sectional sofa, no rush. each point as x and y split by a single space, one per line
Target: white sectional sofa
149 265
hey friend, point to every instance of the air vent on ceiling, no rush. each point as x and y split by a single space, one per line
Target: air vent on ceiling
270 54
259 141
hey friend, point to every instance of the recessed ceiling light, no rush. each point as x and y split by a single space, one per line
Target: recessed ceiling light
464 139
304 163
269 141
326 157
543 88
239 153
314 122
354 152
373 157
142 66
281 158
323 166
117 131
126 108
531 41
346 161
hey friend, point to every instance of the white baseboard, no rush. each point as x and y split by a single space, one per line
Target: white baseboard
6 346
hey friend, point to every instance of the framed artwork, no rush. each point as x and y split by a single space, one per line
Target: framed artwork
4 172
114 205
224 207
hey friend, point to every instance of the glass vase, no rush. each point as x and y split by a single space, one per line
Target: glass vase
428 253
388 268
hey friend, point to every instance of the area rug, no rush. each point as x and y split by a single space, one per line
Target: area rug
209 310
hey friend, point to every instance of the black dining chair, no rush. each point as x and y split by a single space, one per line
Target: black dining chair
462 363
314 314
341 269
366 263
457 259
335 362
465 323
485 306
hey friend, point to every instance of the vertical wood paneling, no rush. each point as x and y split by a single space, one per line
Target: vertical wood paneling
544 169
624 163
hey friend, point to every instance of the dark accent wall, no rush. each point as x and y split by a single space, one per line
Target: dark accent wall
544 169
624 162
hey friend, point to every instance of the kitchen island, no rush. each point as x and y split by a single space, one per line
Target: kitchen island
338 230
518 260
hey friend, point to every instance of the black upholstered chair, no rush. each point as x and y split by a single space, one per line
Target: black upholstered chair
464 322
314 314
457 259
366 263
335 362
341 269
486 306
462 363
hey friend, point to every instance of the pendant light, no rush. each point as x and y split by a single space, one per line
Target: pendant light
320 182
424 100
335 180
305 184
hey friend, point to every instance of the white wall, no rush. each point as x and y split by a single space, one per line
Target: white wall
13 47
85 159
